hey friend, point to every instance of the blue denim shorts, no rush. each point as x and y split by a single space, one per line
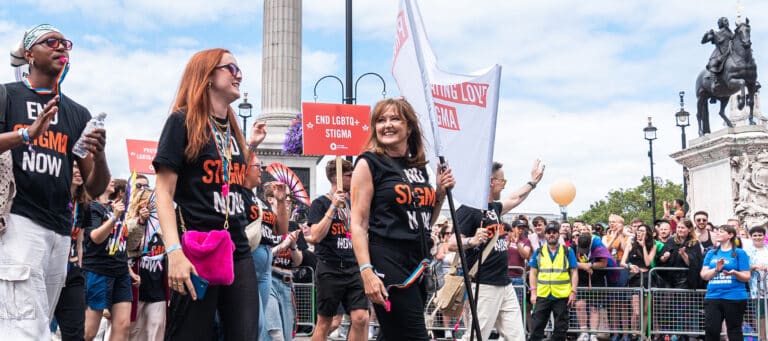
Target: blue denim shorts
101 292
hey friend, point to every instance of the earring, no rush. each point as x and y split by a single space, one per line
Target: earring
32 62
209 84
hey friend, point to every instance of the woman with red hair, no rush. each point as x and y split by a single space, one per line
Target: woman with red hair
201 166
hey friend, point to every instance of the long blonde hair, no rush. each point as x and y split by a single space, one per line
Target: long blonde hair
692 238
139 199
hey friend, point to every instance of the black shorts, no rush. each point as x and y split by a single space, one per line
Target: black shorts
339 286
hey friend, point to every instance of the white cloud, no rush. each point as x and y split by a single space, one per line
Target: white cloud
153 15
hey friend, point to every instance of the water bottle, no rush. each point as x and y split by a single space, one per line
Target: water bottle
96 122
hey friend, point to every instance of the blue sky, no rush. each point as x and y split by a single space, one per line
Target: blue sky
579 79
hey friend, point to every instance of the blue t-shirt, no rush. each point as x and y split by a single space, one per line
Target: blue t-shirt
724 286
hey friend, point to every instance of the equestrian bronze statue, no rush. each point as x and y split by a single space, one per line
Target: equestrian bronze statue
730 69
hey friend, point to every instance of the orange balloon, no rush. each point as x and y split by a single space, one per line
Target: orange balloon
562 192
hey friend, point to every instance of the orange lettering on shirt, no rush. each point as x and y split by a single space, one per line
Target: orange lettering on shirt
337 229
269 218
403 193
237 175
254 212
429 197
52 140
209 167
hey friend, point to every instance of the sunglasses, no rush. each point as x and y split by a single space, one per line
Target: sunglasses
501 180
701 220
142 186
54 43
552 232
233 69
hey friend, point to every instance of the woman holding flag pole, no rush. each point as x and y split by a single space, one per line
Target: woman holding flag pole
393 209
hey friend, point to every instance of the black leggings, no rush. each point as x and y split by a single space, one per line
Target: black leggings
716 310
70 311
237 304
405 321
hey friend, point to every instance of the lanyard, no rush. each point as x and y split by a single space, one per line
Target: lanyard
224 150
47 91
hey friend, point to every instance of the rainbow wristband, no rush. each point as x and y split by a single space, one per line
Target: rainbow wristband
365 266
172 248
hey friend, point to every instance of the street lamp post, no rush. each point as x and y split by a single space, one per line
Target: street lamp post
244 111
650 135
682 121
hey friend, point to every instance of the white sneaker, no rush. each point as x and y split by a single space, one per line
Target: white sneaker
371 333
449 334
593 338
583 337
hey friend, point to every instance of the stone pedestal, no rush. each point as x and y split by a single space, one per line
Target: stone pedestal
728 174
281 86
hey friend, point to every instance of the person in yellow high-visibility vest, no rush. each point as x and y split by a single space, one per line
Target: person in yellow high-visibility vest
553 279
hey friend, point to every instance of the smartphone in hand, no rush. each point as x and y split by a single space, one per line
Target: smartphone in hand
200 284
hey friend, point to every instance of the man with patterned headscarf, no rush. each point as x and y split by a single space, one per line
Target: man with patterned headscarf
40 125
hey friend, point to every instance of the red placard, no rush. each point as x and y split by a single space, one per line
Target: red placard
335 129
140 155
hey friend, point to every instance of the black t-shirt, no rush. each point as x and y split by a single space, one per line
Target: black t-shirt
284 258
402 201
43 177
493 270
199 185
97 257
79 213
636 256
336 246
151 266
268 221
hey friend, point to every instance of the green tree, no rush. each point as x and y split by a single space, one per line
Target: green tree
633 202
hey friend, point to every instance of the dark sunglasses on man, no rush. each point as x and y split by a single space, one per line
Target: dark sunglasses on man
142 186
54 43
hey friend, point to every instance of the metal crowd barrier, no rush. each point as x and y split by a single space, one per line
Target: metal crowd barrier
304 298
681 311
658 311
607 310
437 325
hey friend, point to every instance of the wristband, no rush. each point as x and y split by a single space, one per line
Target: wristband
172 248
294 247
24 133
533 289
532 184
253 148
365 266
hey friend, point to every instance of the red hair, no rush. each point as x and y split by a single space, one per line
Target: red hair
193 98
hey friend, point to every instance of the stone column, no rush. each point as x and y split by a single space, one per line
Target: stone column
281 85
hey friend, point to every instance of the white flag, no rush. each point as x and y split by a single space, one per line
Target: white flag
457 112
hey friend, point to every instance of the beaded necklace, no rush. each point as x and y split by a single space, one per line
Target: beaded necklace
224 150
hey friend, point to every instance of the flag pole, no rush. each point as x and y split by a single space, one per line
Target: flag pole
438 152
464 268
